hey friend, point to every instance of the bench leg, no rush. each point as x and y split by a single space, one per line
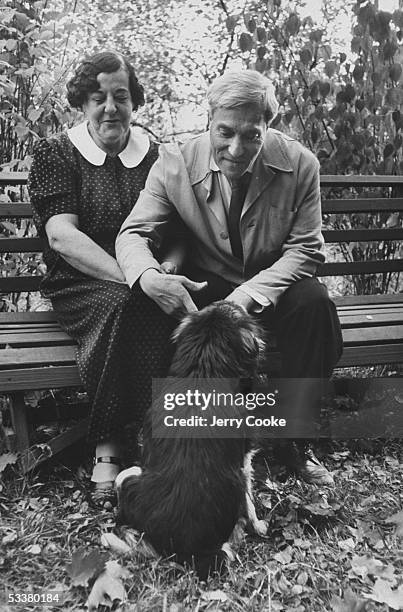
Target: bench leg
19 420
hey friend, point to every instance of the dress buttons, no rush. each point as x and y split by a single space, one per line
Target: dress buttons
224 235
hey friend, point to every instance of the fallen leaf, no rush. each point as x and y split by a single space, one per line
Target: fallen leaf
382 593
396 519
116 571
85 565
320 509
366 565
7 459
350 603
34 549
215 595
110 540
348 544
284 557
9 538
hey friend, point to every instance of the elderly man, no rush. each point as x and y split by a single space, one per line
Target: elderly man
249 199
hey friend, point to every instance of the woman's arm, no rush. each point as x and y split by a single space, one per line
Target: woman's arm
79 250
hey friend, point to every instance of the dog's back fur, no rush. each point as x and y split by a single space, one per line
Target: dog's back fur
192 491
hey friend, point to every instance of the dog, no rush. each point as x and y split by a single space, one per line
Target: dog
192 493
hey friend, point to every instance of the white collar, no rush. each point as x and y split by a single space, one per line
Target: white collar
136 149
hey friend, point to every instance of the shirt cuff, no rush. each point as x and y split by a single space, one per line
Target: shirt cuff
261 302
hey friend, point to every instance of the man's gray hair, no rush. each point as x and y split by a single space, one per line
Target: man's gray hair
243 88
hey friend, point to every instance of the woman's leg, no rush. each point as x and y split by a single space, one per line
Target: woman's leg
123 341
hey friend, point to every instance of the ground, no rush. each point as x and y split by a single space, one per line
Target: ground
334 550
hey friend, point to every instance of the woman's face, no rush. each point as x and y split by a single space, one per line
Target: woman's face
109 110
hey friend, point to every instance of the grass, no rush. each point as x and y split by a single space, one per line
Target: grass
321 554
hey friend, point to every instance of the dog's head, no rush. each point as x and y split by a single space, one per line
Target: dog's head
221 340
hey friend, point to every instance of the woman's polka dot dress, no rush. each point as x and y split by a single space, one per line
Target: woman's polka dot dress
122 336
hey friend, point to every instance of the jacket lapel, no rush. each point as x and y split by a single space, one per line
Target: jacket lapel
272 159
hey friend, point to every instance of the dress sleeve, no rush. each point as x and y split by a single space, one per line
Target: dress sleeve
53 182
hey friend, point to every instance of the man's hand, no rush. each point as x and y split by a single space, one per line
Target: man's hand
170 291
242 299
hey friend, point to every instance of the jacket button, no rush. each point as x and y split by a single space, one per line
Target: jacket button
224 235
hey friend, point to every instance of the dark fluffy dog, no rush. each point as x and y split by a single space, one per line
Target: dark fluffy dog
191 493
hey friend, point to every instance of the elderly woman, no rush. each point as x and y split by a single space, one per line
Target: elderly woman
83 183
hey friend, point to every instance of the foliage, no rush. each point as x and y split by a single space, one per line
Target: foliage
347 110
326 550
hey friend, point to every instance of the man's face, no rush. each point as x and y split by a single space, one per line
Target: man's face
236 136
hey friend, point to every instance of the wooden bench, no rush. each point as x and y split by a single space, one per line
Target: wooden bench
36 354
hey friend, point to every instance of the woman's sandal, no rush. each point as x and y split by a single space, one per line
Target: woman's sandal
103 493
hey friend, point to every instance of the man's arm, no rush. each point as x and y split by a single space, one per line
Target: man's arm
141 235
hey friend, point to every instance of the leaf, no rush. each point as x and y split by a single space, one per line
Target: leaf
245 42
34 114
324 88
292 24
85 565
261 35
34 549
388 150
7 459
9 538
284 557
366 565
231 22
46 35
350 603
306 56
396 519
395 71
216 595
110 540
383 593
358 73
330 68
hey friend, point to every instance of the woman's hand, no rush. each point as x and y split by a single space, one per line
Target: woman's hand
168 267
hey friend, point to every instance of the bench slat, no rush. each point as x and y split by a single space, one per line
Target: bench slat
362 205
44 316
18 178
369 355
338 180
19 245
15 210
39 378
372 335
29 337
363 320
25 357
360 267
363 235
358 300
19 284
13 178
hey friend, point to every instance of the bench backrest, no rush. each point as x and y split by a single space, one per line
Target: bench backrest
389 232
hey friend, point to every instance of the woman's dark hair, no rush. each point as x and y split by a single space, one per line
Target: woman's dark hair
85 81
